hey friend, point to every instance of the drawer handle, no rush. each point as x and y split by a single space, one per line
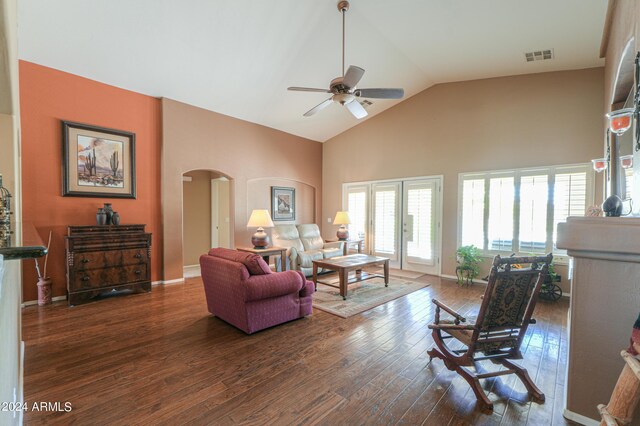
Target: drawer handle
85 260
138 272
85 278
137 256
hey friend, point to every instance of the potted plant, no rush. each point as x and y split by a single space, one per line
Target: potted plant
468 259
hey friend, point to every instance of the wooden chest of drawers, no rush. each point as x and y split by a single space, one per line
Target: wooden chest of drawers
107 258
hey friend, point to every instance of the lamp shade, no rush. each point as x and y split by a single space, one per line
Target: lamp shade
260 219
342 218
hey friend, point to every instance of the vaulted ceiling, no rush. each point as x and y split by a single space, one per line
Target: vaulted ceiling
238 57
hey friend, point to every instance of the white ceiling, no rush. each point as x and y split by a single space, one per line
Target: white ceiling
237 57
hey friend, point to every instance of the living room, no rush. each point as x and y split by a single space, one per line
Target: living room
489 131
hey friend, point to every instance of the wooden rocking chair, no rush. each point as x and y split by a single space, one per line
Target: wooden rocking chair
496 335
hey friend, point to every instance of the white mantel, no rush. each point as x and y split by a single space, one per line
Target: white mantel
605 302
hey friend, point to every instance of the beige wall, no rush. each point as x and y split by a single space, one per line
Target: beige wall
196 216
259 197
624 18
499 123
237 149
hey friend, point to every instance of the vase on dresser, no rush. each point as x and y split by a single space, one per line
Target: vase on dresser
101 216
109 211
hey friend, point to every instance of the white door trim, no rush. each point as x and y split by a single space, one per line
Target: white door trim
215 220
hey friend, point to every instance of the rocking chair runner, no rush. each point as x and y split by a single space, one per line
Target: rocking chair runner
496 335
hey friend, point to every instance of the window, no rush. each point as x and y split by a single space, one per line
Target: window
500 232
519 210
628 183
473 208
419 213
385 220
534 195
357 205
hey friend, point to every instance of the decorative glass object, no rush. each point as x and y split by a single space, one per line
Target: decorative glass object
599 164
626 161
620 120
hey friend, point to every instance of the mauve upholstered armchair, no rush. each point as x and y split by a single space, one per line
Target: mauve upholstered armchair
241 290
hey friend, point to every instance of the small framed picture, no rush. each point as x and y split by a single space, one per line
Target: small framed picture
98 162
283 203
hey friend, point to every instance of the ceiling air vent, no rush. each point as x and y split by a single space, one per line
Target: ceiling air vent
539 55
365 103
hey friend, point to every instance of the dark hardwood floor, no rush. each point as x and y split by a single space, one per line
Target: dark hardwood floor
160 358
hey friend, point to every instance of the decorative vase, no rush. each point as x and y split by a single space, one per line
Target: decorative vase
343 233
109 211
260 239
115 219
101 217
44 291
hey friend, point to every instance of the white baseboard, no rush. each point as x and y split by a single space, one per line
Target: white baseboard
453 277
579 418
35 302
167 282
192 271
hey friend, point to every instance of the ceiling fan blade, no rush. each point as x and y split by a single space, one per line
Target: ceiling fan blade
356 109
353 76
318 107
380 93
308 89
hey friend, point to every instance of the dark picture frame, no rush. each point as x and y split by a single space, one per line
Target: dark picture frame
283 203
97 161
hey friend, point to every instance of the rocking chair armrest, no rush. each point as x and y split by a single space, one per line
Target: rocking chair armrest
440 305
451 327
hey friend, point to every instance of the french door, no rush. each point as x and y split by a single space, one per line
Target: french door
385 233
420 226
399 220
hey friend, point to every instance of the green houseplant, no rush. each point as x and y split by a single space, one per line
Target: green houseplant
468 259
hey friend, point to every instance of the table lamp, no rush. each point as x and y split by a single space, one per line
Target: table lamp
260 219
342 219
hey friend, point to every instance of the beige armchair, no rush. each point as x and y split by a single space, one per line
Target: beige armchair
304 245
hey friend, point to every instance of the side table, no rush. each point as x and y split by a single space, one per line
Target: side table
269 251
356 242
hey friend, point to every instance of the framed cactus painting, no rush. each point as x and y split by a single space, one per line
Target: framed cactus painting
98 162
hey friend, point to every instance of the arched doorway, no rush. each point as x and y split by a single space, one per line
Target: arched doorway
206 216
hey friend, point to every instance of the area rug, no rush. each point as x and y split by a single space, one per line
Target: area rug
361 296
400 273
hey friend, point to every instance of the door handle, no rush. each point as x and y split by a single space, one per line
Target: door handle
85 278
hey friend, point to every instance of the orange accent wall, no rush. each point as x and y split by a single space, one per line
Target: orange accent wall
48 96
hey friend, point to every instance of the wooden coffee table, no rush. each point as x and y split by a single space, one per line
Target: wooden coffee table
345 264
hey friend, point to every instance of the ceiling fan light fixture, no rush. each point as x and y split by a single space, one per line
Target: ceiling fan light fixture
343 98
344 88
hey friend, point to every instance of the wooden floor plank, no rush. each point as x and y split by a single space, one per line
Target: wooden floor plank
161 358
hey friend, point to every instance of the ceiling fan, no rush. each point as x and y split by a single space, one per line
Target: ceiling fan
344 88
